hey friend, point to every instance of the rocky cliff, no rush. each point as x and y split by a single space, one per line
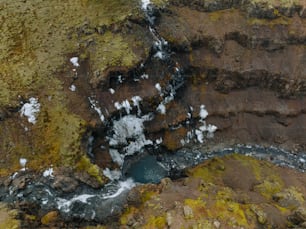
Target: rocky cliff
69 71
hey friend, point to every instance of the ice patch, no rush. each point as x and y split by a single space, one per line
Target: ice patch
158 141
144 76
124 104
72 87
203 112
112 91
112 174
74 61
161 108
23 162
93 104
116 156
160 55
144 4
136 102
30 110
48 172
158 87
128 132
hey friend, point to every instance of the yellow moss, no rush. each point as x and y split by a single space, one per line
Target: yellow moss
49 217
147 195
209 172
85 165
7 218
156 222
269 186
230 212
271 23
197 206
129 212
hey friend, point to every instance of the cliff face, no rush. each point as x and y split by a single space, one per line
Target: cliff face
243 60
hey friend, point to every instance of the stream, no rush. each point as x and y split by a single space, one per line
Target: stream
128 148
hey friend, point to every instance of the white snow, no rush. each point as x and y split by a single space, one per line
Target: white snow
128 131
31 109
127 106
145 4
160 55
23 162
94 105
136 100
302 160
199 135
158 141
112 91
112 174
116 156
144 76
72 87
203 112
158 87
124 104
48 172
74 61
161 108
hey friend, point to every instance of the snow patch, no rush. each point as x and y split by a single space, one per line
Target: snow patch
72 87
94 105
203 112
158 87
144 76
23 162
48 172
112 174
161 108
112 91
30 110
128 132
74 61
145 4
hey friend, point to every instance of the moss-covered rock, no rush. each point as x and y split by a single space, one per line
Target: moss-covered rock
38 39
211 196
8 218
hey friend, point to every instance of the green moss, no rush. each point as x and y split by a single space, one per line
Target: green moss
84 165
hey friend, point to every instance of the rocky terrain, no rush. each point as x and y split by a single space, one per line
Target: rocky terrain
71 72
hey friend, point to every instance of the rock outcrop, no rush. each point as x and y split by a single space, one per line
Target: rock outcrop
68 70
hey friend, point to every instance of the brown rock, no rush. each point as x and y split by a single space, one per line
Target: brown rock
66 184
